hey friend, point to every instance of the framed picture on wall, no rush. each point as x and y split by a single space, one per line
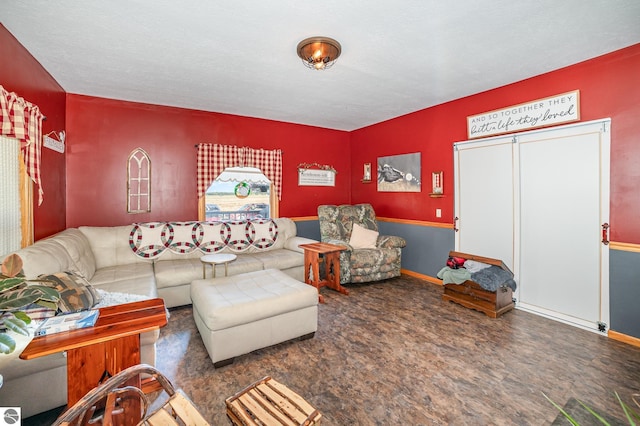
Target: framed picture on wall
399 173
366 176
436 183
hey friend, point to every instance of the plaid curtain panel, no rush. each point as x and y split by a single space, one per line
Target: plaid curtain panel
213 159
22 120
270 162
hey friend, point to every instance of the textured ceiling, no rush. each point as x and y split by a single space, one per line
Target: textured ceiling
239 57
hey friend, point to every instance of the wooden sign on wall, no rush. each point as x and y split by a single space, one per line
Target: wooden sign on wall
563 108
315 177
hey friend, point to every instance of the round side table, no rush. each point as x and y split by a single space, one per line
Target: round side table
216 259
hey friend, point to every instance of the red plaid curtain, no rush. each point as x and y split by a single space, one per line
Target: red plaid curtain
23 121
214 158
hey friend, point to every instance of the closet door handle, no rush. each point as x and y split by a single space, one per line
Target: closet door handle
605 233
455 224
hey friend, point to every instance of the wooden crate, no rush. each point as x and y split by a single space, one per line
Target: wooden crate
471 295
267 402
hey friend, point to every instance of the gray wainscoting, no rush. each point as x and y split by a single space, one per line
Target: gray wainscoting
624 292
309 229
427 247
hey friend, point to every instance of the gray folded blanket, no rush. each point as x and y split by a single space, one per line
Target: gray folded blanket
494 277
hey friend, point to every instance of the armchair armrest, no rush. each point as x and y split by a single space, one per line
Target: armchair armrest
390 241
346 245
293 243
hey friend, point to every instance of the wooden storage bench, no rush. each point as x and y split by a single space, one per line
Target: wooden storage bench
471 295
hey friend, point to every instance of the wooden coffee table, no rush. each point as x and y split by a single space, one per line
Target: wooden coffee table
330 254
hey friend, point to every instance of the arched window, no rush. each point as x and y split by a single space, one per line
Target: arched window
239 193
213 159
138 182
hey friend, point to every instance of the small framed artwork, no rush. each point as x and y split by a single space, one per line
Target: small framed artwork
399 173
366 176
316 175
436 182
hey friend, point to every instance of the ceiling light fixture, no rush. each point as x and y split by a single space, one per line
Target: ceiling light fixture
319 53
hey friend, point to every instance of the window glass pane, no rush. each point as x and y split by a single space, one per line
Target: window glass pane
239 193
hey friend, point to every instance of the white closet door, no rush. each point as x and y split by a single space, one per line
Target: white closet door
561 211
484 202
537 201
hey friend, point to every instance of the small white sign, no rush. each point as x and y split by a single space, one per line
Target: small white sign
557 109
314 177
53 144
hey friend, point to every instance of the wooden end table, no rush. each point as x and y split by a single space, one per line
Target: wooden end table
330 254
103 350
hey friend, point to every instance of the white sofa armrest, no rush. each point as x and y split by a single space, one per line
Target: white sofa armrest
293 243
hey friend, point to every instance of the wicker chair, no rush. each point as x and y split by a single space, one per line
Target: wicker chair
358 265
117 402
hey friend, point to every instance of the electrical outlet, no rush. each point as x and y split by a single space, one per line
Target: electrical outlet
438 212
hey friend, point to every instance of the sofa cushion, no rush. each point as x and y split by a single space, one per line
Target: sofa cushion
45 257
287 229
362 237
278 259
364 260
140 286
78 247
170 273
134 278
243 263
122 272
76 294
110 245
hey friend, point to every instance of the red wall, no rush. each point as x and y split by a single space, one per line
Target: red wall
24 75
608 89
103 132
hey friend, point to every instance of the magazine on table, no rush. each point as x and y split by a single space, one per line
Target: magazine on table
67 322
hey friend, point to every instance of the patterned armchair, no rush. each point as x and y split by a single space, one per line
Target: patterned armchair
357 265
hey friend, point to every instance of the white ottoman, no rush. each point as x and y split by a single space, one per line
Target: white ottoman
241 313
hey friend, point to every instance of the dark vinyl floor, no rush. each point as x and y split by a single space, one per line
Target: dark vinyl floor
394 353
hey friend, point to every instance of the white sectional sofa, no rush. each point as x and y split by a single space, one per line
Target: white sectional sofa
153 260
